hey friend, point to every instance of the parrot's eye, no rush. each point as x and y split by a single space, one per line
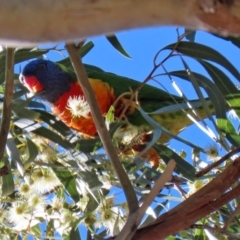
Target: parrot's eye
21 78
42 66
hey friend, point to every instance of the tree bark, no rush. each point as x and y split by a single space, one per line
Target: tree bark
24 22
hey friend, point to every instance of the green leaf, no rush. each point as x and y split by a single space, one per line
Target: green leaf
25 113
86 48
23 54
50 228
52 136
36 230
14 154
88 145
227 128
199 52
223 82
117 45
150 173
234 102
38 105
196 86
20 93
7 182
66 62
52 121
91 178
74 234
32 150
213 92
69 182
91 205
183 167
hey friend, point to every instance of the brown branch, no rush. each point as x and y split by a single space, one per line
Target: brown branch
102 130
7 102
182 221
206 200
85 18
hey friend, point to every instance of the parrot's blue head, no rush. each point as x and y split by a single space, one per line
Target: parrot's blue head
46 78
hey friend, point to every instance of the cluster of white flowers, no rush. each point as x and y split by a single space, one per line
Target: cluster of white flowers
44 180
110 216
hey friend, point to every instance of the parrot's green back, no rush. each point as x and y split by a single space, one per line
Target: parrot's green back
150 99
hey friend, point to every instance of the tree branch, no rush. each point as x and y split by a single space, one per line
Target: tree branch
102 130
42 21
7 102
203 202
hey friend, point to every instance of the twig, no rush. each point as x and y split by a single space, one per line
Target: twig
102 130
166 176
135 219
215 164
181 191
156 66
7 102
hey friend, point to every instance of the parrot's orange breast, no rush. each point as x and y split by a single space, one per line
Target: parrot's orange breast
105 97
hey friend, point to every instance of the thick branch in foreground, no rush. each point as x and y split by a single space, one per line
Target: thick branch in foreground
24 22
206 200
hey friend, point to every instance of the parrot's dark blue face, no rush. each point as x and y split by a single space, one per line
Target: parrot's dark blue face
46 78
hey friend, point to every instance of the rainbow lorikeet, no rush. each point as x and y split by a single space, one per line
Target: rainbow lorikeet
55 85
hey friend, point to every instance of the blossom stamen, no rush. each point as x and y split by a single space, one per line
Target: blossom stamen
78 106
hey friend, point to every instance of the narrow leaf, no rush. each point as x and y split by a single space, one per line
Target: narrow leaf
69 182
183 167
117 45
86 48
227 128
7 183
199 52
52 136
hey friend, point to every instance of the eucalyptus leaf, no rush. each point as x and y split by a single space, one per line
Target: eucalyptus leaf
228 129
202 52
117 45
69 182
183 167
52 136
7 183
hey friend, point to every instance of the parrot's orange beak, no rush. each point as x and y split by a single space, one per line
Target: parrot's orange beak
31 83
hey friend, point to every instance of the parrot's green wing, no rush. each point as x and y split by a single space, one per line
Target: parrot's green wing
150 99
